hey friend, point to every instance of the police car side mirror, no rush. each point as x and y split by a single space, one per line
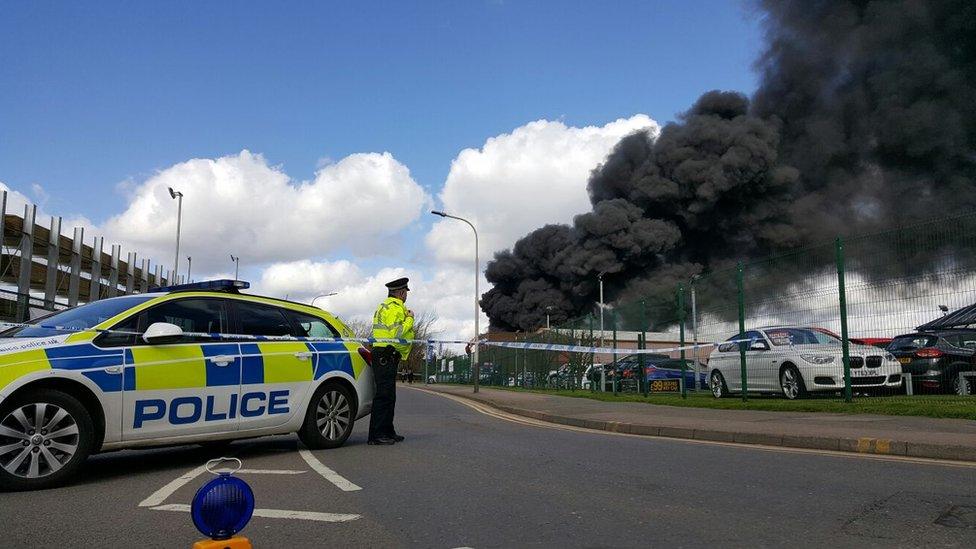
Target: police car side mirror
162 332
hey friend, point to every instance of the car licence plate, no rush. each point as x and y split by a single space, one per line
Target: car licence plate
905 360
865 373
665 386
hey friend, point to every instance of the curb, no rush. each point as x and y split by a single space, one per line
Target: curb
861 445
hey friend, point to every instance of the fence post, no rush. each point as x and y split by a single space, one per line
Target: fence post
642 344
740 284
592 344
842 301
613 358
681 330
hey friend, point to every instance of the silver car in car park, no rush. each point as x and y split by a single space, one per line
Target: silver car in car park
797 360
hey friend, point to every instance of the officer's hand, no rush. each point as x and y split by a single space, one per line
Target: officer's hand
409 312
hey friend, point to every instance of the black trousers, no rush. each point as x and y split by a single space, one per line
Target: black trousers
385 362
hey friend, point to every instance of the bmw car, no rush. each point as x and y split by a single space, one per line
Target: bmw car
196 363
795 360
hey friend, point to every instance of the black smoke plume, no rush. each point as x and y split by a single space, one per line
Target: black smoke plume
865 118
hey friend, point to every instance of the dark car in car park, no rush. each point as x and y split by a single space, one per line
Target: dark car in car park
934 359
656 367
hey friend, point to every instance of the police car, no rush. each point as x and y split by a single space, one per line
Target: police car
141 370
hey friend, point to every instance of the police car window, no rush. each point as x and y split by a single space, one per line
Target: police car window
205 315
311 326
78 318
258 319
118 337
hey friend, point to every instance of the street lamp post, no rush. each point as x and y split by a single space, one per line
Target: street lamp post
549 309
477 309
178 196
237 264
600 278
323 295
189 268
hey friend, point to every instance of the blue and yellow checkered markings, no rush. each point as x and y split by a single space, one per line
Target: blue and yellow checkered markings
186 366
18 364
252 365
332 356
82 357
91 360
275 362
218 376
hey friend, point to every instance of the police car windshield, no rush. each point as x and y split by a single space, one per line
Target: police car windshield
78 318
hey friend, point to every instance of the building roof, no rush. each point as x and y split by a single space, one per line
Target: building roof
960 318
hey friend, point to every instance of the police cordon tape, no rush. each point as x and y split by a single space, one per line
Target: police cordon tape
502 344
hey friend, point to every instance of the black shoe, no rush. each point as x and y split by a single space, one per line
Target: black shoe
381 441
398 438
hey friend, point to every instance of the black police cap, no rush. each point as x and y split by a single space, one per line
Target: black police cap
398 284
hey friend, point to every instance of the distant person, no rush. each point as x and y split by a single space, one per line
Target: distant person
392 320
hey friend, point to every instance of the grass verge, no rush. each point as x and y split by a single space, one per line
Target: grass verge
939 406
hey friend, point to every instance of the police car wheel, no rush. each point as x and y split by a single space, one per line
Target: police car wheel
45 436
329 419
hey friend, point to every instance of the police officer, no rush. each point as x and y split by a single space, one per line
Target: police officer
392 320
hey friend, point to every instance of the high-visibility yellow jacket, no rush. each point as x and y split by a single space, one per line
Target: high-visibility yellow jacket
391 321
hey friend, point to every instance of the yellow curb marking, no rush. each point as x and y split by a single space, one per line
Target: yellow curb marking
873 445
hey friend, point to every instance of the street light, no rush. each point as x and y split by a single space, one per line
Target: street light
549 309
178 196
237 264
189 268
323 295
600 278
477 309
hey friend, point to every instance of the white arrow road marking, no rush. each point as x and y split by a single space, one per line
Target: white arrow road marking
274 513
335 478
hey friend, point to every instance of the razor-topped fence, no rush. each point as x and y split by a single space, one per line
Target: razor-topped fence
890 314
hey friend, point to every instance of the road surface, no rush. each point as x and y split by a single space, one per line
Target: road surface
465 478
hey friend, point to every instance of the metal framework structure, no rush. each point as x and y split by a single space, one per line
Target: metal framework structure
41 269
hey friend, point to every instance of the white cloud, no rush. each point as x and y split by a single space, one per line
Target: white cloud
17 200
447 293
240 204
523 180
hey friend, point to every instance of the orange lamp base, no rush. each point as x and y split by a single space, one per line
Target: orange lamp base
236 542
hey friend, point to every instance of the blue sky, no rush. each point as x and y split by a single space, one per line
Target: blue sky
98 99
96 93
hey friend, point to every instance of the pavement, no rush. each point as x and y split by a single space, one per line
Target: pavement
950 439
469 475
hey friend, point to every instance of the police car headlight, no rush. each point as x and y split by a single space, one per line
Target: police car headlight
818 359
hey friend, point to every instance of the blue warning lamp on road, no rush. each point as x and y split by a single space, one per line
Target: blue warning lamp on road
221 508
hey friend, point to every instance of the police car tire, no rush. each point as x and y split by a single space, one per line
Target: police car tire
310 433
86 438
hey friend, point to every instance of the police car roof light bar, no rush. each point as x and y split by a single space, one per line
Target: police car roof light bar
222 285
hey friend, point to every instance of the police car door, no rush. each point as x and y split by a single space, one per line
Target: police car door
185 386
275 374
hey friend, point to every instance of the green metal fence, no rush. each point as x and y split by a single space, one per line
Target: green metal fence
837 320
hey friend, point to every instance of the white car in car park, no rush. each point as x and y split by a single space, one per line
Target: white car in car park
796 360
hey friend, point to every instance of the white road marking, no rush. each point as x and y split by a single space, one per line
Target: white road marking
328 474
274 513
269 472
160 495
531 422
